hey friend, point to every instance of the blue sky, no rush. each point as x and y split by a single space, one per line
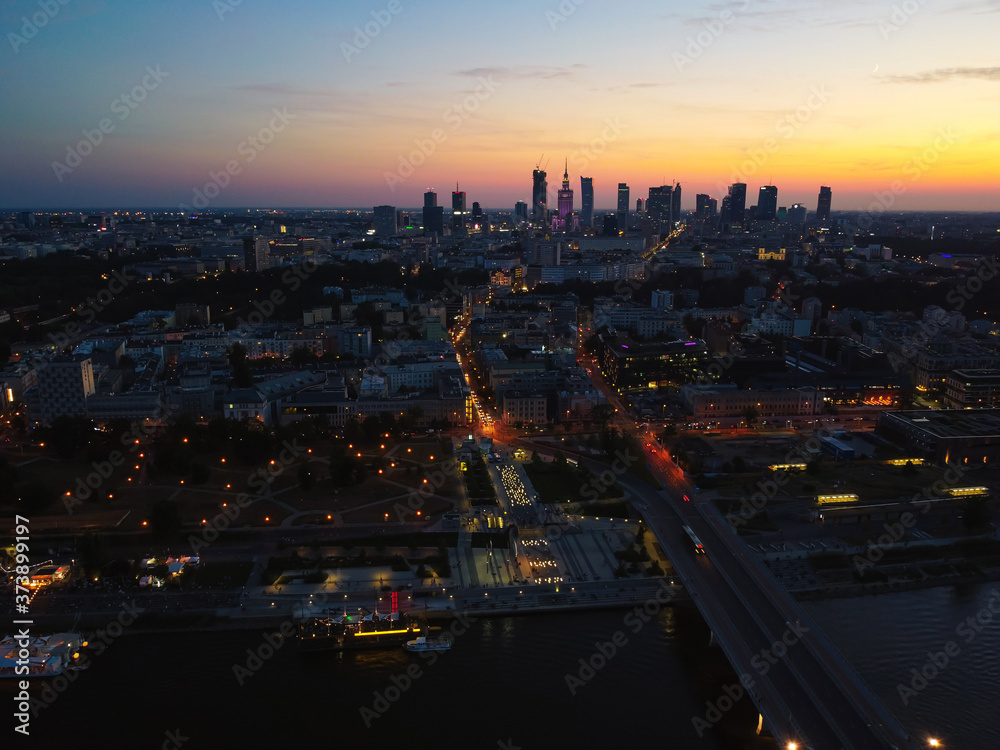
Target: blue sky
855 95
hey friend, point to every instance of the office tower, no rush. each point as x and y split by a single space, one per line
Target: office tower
256 253
610 225
587 201
737 203
724 211
812 308
701 210
430 199
622 216
767 203
640 207
27 220
539 198
565 203
782 213
658 208
823 207
797 214
61 389
385 222
713 209
434 220
675 206
521 212
458 200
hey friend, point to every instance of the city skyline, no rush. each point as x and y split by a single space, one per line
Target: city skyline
353 112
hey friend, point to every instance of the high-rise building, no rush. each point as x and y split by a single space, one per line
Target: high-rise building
458 200
433 214
62 389
385 221
434 220
797 214
610 225
658 208
724 211
521 212
587 201
256 253
640 207
767 203
823 207
565 203
622 216
713 209
737 203
701 207
539 198
675 206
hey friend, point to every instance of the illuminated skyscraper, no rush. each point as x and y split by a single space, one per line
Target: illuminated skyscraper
622 216
565 196
587 201
823 207
458 210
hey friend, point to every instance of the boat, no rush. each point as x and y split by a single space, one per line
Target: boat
349 632
47 656
424 643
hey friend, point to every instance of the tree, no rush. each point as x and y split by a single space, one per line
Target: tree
242 376
164 517
602 414
750 414
301 357
307 478
977 514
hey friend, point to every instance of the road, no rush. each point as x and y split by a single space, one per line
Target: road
811 695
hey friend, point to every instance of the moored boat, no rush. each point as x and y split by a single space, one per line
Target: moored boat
423 643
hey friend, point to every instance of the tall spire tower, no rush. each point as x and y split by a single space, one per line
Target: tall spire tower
565 196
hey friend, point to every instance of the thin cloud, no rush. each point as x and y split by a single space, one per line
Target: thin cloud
948 74
525 72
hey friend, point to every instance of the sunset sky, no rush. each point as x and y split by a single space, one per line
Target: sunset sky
387 98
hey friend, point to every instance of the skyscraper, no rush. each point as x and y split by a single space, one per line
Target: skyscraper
622 216
458 207
433 214
737 203
587 201
539 198
675 206
565 196
823 207
658 208
797 214
521 212
701 207
386 223
257 251
767 203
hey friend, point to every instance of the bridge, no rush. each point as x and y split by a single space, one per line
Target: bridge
807 693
